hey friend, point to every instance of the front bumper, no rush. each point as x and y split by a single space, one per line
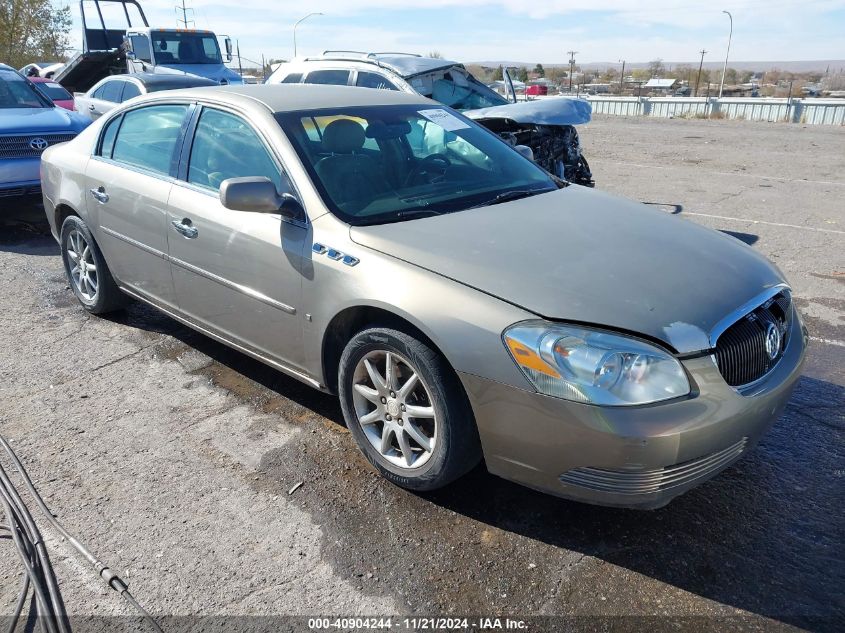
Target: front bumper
20 177
636 457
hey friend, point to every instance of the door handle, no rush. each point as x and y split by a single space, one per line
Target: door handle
100 195
184 227
91 107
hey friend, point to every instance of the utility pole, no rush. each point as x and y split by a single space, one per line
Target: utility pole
622 78
571 67
700 65
725 69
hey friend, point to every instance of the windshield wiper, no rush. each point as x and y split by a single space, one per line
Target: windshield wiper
507 196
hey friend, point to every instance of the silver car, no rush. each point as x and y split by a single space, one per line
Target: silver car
461 302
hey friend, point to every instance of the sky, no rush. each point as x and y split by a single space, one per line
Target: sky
521 30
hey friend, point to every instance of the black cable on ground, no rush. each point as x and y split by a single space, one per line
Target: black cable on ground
50 608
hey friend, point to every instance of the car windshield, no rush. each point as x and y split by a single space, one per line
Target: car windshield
53 91
174 47
17 92
458 89
380 164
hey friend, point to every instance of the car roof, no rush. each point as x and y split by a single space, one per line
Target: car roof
404 65
292 97
151 80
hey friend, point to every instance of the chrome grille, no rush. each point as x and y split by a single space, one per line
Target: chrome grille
19 146
741 353
635 481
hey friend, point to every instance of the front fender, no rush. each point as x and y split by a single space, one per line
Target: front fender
465 324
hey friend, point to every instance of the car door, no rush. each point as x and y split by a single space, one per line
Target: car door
236 272
103 99
128 184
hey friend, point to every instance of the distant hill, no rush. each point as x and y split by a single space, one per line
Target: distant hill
819 65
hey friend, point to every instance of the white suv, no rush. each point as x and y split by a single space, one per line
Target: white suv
546 126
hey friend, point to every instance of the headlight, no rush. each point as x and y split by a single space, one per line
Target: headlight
594 366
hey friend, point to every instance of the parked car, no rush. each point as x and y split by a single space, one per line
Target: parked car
111 91
42 69
547 127
54 92
29 123
536 90
460 305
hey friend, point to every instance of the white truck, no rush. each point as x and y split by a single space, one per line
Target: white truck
142 49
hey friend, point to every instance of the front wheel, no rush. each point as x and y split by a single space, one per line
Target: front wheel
406 409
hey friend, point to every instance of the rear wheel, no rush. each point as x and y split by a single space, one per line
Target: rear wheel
86 269
407 410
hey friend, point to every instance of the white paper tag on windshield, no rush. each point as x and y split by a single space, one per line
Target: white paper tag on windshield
444 119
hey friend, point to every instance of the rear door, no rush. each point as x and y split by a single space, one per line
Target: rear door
238 273
128 184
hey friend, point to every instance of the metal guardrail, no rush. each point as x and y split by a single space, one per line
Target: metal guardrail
807 111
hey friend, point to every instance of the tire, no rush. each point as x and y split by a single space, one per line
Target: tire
94 287
453 443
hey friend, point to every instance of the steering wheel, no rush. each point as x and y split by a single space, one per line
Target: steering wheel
432 162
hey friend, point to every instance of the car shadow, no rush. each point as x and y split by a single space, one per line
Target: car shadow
748 238
764 536
24 229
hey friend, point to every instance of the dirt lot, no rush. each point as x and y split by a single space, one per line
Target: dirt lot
172 456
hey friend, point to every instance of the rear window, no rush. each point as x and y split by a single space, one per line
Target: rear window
330 77
54 91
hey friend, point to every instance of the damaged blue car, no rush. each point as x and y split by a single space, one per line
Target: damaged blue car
547 126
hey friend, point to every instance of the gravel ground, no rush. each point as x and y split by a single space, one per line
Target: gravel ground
172 456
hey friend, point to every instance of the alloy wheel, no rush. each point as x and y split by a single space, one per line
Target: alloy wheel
394 408
83 268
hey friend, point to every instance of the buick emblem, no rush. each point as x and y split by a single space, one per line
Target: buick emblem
772 341
38 143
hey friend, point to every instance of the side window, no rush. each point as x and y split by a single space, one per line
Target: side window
98 93
112 90
141 48
331 77
130 90
107 142
373 80
148 137
293 78
226 147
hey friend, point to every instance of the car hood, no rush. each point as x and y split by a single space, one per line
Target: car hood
209 71
551 111
45 120
586 256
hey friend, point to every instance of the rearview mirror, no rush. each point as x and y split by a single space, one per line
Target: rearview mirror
524 150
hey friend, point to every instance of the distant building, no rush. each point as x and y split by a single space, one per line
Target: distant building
665 86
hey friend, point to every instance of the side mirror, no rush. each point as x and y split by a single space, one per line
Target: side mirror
525 151
258 194
228 44
131 55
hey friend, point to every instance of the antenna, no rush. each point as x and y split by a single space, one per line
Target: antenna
184 10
